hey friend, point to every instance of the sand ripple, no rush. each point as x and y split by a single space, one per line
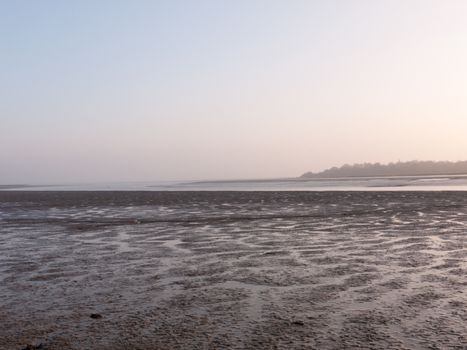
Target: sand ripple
249 270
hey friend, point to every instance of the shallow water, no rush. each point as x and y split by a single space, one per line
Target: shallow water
242 270
394 183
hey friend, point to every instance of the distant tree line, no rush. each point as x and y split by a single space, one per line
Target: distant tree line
412 168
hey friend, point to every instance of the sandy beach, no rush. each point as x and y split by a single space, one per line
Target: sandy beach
233 270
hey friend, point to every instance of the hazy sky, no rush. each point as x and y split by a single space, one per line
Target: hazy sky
154 90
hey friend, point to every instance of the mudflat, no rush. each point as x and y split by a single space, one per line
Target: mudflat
233 270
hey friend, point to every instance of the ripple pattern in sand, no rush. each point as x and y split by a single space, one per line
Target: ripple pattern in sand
233 270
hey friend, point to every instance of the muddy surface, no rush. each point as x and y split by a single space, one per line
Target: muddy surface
233 270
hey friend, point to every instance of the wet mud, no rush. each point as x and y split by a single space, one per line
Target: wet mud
233 270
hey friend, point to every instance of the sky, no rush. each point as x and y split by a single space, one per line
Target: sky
152 90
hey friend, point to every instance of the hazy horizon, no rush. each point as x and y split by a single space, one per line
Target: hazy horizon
300 177
152 91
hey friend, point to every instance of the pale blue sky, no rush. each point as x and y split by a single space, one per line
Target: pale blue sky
157 90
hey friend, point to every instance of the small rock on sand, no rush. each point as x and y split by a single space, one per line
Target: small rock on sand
33 347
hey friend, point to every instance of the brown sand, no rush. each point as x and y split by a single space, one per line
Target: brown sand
233 270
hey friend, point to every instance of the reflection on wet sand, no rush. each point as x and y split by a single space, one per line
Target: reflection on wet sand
241 270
